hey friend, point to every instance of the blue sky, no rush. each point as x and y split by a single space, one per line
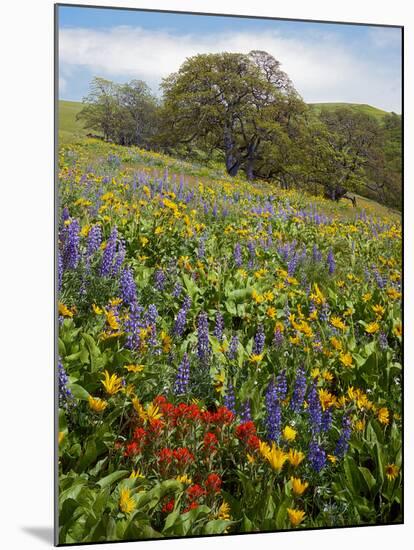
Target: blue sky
327 62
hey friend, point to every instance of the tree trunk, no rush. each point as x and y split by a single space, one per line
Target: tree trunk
232 162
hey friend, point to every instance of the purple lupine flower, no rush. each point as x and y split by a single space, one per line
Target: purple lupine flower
203 344
316 255
94 240
109 253
252 253
317 345
273 413
233 347
119 259
159 280
259 341
151 315
60 270
293 264
181 319
383 340
133 325
230 399
237 255
278 338
71 254
299 390
201 247
281 386
343 441
65 214
316 456
177 290
65 397
381 281
331 262
326 419
245 412
219 326
128 287
314 409
183 376
324 315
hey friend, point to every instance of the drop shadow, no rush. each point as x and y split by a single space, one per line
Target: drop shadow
44 534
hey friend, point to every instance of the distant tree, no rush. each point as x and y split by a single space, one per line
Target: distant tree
123 113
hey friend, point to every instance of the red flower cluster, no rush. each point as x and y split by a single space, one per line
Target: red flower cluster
182 456
213 483
195 492
246 433
210 443
192 412
168 506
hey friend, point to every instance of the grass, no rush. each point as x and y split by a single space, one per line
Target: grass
70 129
378 114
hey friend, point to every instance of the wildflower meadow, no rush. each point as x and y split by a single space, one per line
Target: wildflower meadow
229 352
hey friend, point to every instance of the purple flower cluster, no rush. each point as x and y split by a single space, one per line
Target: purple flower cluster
314 410
119 259
237 255
203 344
233 347
316 456
109 253
93 241
66 400
259 341
181 319
133 325
128 287
273 413
331 262
230 399
281 386
278 338
343 441
299 390
219 326
159 280
70 238
245 413
183 376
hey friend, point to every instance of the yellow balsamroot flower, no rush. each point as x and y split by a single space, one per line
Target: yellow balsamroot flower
139 409
144 241
224 511
96 404
378 310
359 425
219 380
367 297
295 516
336 343
269 296
256 358
298 486
126 502
112 320
184 479
383 415
159 230
332 458
271 312
328 376
393 293
346 359
134 368
317 295
64 310
337 322
391 471
153 412
250 458
315 372
398 330
166 342
136 474
111 383
276 457
96 309
372 328
289 434
326 399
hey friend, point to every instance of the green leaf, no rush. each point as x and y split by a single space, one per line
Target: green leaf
111 478
216 526
79 392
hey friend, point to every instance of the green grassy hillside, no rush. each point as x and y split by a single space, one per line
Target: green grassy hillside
69 127
378 114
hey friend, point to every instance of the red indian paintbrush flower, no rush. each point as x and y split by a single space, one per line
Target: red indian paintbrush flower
213 483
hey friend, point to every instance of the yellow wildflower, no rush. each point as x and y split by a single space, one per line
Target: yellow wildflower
96 404
367 297
295 457
256 358
126 502
224 511
346 359
326 399
337 322
112 320
153 412
372 328
295 516
139 409
64 310
298 486
383 415
332 458
96 309
289 433
398 330
379 310
391 471
134 368
166 342
271 312
111 383
136 474
336 343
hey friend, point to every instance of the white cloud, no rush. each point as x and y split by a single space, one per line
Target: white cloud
322 69
62 84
